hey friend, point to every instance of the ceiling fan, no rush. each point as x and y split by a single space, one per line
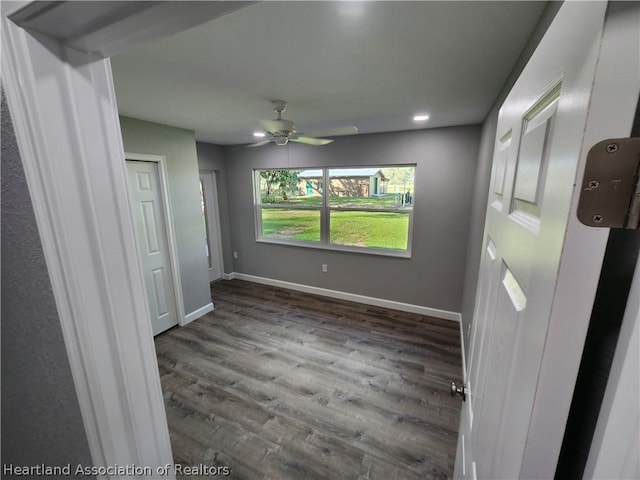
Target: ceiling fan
282 131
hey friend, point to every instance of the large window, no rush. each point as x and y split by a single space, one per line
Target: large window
359 209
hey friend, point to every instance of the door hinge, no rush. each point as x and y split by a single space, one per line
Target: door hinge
610 195
459 390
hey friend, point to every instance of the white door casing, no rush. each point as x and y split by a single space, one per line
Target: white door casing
148 211
212 224
540 268
615 449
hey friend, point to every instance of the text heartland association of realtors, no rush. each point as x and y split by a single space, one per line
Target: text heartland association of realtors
133 470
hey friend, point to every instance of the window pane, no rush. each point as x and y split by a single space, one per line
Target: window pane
290 224
370 229
371 187
291 204
400 180
290 187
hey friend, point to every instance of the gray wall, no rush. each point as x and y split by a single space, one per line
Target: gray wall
483 172
446 159
211 157
41 420
179 147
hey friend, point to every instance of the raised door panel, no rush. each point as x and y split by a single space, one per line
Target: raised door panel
500 163
149 227
483 327
510 305
533 159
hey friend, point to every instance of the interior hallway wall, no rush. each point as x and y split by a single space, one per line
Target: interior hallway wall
179 147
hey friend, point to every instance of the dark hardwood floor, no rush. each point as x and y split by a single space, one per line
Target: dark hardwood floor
278 385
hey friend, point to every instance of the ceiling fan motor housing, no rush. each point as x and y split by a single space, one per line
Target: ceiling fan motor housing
279 105
284 127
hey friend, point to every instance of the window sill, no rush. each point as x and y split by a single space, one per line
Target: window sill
340 248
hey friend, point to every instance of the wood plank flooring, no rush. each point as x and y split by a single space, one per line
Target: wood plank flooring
282 385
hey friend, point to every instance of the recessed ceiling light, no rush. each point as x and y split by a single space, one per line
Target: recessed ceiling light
422 117
258 134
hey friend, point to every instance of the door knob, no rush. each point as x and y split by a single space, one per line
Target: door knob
459 390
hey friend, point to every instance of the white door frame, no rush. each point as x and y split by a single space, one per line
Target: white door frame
212 212
160 161
615 446
65 117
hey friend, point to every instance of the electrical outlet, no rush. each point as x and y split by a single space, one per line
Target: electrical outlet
324 268
235 254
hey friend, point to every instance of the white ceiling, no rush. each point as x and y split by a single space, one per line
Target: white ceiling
369 64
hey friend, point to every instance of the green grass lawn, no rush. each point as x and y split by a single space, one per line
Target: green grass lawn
370 229
362 229
291 224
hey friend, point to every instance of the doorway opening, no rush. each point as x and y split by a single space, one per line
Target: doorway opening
211 220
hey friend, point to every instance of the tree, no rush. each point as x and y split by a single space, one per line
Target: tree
280 182
400 176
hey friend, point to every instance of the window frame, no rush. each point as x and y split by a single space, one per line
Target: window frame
325 210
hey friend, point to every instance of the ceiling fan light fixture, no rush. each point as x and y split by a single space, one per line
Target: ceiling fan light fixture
421 117
281 140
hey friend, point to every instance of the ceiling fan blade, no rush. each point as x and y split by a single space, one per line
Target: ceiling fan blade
310 141
335 132
260 143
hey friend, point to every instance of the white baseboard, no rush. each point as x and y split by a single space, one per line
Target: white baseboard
353 297
190 317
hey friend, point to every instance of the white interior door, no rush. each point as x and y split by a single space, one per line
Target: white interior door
153 245
210 214
539 145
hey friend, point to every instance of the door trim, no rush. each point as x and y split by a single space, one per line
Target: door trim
615 445
160 161
70 142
